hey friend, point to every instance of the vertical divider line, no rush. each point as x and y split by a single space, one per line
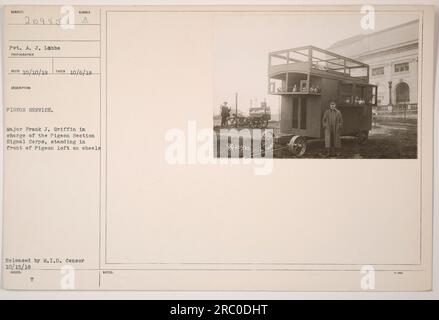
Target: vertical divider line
100 147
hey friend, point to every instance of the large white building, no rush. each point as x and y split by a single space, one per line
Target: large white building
392 55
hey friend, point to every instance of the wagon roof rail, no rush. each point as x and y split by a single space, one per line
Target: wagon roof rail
316 60
311 48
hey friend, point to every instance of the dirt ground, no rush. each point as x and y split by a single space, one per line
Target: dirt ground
391 137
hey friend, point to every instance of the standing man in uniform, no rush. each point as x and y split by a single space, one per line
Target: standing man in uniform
332 124
225 113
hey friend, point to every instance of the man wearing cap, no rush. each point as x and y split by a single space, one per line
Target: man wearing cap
225 113
332 124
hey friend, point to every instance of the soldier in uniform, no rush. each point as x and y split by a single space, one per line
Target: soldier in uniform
332 124
225 113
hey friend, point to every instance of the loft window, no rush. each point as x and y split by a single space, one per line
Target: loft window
401 67
378 71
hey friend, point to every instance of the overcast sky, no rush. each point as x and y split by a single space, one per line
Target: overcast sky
242 43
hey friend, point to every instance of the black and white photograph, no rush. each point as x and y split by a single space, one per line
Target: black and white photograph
327 86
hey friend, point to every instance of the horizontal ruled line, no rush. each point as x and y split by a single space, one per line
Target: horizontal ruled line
27 57
53 74
53 25
52 40
240 269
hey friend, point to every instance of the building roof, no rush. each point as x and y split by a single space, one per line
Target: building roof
393 37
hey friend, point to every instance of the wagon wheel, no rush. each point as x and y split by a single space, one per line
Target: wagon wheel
362 137
297 146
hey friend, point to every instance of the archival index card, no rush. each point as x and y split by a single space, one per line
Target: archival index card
270 148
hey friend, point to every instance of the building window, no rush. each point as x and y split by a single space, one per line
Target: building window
401 67
378 71
380 100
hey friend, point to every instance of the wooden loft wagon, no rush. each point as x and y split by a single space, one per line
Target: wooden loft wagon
307 79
